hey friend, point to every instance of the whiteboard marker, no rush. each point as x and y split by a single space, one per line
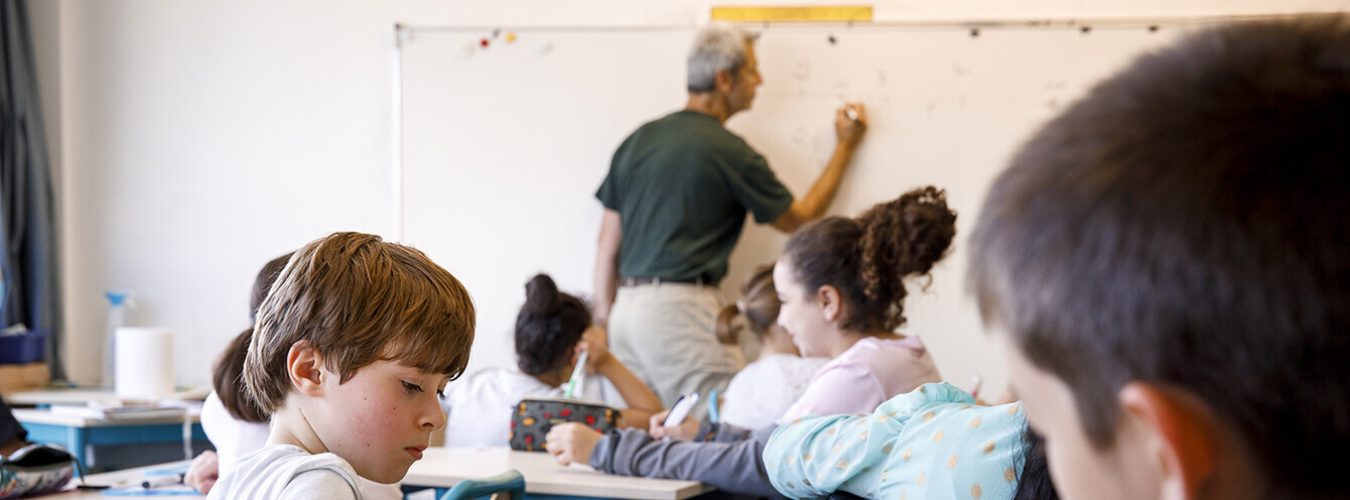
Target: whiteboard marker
155 482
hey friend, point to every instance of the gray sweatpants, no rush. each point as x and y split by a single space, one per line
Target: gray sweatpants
665 334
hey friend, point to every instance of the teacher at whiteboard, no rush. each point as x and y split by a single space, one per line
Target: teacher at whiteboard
675 199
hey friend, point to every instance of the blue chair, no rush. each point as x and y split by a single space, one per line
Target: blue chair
510 483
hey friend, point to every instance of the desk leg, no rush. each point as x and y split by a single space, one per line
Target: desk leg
77 438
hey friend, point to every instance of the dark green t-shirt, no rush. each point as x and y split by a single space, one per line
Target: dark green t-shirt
682 185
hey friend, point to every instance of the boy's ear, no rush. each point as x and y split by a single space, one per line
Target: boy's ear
831 305
304 366
1181 433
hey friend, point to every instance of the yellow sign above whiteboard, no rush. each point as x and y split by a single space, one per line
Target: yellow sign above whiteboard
793 14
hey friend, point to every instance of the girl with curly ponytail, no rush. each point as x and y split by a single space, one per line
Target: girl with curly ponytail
841 285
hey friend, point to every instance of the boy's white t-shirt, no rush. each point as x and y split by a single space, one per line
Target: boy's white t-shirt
478 407
234 438
761 392
287 472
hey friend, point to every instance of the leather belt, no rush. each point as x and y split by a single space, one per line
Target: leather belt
656 280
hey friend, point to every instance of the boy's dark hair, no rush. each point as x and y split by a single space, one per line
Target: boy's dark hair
868 258
229 369
758 303
357 300
1035 482
1185 225
548 327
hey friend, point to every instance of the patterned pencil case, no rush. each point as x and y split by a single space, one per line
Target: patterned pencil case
534 417
35 469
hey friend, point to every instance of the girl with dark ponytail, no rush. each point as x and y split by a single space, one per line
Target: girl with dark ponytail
552 330
841 284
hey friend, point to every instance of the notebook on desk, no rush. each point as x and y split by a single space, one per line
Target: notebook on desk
119 411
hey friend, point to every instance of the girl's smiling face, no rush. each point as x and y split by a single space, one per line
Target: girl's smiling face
801 314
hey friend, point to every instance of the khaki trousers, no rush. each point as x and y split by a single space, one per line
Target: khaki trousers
665 333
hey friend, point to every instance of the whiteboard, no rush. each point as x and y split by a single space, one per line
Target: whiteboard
503 147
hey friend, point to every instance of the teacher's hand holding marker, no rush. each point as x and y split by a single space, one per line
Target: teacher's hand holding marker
850 122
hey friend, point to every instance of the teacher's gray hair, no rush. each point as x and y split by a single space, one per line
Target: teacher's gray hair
717 47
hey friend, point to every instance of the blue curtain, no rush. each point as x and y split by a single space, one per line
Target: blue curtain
29 257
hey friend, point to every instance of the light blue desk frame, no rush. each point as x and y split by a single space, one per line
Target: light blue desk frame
80 439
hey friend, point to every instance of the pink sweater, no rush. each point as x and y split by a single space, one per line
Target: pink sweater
864 376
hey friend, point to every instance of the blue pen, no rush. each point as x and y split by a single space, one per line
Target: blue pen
712 407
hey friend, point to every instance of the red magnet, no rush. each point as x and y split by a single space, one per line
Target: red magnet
483 43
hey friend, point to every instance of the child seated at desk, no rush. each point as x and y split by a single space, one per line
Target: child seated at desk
552 329
1166 266
841 283
352 347
232 422
762 391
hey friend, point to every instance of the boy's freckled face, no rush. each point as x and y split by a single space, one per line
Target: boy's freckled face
381 419
1079 470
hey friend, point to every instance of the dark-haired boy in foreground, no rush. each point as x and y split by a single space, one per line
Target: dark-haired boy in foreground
1168 266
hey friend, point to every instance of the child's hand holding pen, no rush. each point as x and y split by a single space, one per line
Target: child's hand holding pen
687 430
593 343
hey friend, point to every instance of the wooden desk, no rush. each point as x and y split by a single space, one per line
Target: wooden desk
443 467
78 434
122 478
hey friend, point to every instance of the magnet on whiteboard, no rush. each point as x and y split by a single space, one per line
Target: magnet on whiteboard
510 37
467 50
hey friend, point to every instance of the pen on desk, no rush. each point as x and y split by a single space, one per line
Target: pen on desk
155 482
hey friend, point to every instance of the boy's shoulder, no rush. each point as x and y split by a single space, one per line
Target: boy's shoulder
291 456
268 472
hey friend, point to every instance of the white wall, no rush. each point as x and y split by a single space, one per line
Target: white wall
196 140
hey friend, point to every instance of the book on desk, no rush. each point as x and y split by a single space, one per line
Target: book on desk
121 411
